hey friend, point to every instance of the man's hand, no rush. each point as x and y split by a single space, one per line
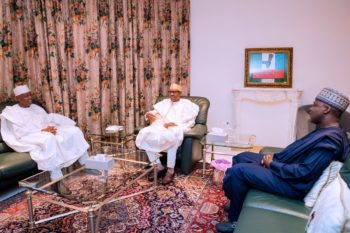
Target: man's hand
169 124
267 160
50 129
150 117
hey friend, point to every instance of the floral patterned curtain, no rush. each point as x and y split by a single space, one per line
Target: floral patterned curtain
98 62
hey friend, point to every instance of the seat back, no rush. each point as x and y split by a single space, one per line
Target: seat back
203 104
305 126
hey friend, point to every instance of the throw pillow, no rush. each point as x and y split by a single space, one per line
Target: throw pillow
331 213
328 175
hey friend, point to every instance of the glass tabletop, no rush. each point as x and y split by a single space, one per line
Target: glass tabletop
229 144
90 186
243 141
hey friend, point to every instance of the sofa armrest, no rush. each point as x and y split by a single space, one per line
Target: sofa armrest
270 150
4 148
197 131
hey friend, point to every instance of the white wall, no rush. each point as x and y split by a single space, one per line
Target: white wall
318 30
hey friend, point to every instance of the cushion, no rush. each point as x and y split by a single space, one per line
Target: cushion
328 175
331 212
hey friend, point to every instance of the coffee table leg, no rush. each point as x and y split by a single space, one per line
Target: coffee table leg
30 210
155 177
91 221
204 158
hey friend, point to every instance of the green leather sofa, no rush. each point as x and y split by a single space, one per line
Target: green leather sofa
14 166
263 212
191 149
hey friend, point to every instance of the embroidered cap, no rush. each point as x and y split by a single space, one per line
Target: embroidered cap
334 99
175 87
19 90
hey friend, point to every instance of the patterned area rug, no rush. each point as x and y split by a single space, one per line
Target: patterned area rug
190 204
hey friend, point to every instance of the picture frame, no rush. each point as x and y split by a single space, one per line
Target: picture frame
268 67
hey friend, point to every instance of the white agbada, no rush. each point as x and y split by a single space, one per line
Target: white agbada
21 130
156 138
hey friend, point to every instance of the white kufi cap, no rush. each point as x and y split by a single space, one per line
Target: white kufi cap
19 90
334 99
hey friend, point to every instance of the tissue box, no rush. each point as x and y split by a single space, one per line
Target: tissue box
212 137
99 162
114 128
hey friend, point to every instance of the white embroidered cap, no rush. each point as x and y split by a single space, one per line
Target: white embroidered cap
334 99
19 90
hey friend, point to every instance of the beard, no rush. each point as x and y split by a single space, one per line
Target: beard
316 119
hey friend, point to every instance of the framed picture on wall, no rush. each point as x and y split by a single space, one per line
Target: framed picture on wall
268 67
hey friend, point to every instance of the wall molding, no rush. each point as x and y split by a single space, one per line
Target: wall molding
289 97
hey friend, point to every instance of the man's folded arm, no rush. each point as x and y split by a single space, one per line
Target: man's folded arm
319 160
20 131
59 120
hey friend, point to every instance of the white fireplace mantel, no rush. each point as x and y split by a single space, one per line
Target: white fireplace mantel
270 100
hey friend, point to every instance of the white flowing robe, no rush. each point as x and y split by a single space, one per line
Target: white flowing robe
21 130
157 138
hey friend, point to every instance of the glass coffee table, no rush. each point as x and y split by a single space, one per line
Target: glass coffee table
231 148
88 190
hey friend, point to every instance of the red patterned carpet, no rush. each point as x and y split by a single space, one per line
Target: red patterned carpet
191 204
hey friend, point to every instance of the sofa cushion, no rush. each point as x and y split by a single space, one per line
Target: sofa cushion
271 213
271 202
256 220
14 163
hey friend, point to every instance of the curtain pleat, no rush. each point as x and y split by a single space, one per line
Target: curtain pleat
98 62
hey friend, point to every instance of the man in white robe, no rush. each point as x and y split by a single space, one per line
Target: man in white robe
52 140
169 120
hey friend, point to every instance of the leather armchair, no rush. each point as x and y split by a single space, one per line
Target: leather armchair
191 150
14 166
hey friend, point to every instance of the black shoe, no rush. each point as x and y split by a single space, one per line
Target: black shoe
226 227
169 177
227 207
160 174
